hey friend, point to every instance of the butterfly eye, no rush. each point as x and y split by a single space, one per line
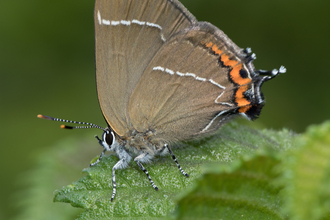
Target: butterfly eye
108 137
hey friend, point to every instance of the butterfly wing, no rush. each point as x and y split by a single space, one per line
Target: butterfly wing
196 81
128 34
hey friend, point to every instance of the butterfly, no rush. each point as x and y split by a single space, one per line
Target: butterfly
164 77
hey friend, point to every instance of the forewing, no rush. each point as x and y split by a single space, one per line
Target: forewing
128 34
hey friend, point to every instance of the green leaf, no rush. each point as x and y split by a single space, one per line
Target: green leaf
54 167
242 190
136 198
306 174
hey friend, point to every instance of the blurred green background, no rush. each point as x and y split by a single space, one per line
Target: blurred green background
47 67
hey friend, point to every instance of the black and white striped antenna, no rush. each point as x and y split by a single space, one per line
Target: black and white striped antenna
88 125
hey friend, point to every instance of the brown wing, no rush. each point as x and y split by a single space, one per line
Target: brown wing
128 34
191 85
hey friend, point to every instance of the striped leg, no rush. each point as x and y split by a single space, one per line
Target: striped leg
104 150
137 160
175 160
115 167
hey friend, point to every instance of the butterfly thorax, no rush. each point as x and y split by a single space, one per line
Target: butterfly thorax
140 142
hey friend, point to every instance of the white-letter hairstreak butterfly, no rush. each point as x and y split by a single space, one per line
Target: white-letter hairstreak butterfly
164 77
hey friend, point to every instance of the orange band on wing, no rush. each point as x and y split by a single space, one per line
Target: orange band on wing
216 50
207 44
228 62
236 77
244 109
240 98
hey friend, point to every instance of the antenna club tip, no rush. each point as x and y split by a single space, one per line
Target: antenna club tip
43 117
66 127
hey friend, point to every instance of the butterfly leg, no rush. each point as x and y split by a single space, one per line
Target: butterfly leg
101 156
175 160
120 164
162 150
144 157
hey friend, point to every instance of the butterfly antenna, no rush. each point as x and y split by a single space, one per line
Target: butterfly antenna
89 125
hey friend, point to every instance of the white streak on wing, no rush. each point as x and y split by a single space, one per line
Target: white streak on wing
125 22
158 68
222 103
225 103
247 117
134 21
217 84
99 17
216 100
200 79
154 25
211 122
162 37
106 22
115 23
171 72
190 74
